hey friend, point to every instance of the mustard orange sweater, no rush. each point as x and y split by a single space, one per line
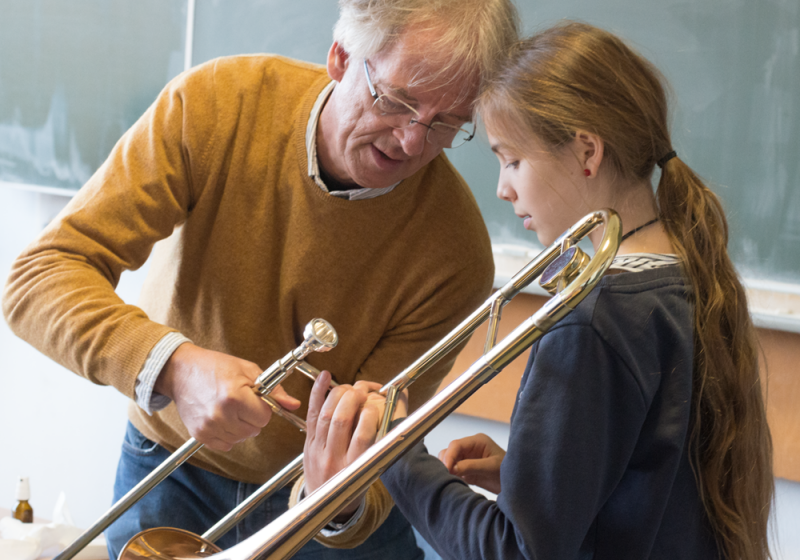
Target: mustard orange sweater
253 251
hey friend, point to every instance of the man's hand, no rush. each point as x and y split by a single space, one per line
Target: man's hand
475 460
340 428
214 395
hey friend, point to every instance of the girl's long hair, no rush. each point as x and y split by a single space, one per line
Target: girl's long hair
578 77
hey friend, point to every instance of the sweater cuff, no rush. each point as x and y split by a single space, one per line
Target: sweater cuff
148 400
373 511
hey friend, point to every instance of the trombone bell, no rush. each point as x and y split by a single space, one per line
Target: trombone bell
167 543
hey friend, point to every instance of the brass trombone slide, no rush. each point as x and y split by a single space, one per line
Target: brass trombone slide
563 267
319 336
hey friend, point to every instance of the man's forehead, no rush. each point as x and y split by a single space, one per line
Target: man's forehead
420 84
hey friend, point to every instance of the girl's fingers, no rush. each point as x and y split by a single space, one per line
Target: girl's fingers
480 472
365 432
451 455
326 413
367 386
343 420
316 400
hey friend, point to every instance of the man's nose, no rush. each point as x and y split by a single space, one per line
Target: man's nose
412 138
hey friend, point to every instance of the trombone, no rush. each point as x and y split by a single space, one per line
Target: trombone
564 269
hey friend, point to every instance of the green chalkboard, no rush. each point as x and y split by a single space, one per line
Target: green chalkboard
74 75
734 68
301 29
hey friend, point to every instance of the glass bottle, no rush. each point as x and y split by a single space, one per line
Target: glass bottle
23 511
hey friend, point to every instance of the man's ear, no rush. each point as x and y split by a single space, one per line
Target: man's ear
338 59
589 149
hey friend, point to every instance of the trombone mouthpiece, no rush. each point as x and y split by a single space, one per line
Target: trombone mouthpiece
320 336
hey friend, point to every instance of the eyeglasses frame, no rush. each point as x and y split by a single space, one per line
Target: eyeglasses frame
376 96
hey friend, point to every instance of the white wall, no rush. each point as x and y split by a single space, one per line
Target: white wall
55 427
65 433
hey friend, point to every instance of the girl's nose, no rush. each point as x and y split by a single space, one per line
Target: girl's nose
505 191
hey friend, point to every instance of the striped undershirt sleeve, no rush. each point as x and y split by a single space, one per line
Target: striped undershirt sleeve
332 529
147 400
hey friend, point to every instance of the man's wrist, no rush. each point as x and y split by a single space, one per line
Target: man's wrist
151 395
165 381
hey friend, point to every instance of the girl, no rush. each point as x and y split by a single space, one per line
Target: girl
639 429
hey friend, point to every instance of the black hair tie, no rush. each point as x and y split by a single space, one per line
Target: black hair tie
666 158
634 230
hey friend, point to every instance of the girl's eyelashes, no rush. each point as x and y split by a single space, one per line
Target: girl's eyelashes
513 164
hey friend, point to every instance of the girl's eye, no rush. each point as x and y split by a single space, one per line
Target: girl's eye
513 164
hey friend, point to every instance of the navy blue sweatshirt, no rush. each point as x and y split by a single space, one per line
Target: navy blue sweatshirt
597 463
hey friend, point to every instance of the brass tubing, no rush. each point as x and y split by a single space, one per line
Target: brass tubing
134 495
494 323
465 329
293 419
284 477
310 371
388 412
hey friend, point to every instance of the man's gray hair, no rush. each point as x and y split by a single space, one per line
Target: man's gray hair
471 35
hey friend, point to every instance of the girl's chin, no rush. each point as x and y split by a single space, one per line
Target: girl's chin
544 239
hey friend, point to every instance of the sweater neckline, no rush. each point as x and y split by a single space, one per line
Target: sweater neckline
405 191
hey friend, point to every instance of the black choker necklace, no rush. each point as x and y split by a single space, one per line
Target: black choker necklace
634 230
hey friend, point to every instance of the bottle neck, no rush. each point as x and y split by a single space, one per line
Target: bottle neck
23 489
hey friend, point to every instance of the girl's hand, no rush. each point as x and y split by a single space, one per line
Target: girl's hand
336 433
340 427
475 460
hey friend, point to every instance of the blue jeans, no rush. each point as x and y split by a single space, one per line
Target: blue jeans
194 499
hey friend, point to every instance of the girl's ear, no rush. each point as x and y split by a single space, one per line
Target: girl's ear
589 149
338 59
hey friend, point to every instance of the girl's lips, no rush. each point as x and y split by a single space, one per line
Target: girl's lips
526 222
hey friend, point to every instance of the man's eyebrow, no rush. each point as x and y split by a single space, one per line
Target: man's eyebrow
376 79
402 92
411 100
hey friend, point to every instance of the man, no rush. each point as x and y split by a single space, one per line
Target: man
286 193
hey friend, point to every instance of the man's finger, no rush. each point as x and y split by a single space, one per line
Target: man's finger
252 410
286 400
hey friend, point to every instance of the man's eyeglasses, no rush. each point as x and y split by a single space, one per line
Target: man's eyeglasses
399 114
